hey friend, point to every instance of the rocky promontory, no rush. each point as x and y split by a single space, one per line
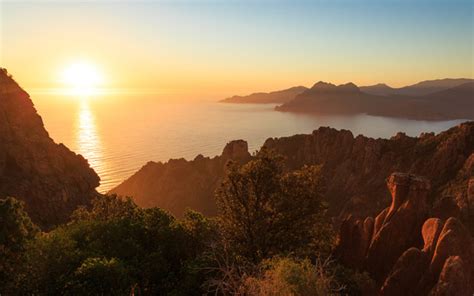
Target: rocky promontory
180 184
48 177
274 97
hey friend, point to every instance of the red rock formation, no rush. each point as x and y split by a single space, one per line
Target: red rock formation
48 177
406 274
442 263
453 280
430 232
356 167
401 225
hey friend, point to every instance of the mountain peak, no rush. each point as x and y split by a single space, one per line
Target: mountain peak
326 87
323 85
348 87
52 180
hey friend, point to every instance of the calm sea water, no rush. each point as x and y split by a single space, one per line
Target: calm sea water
119 134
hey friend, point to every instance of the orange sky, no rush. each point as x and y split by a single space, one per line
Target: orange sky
203 49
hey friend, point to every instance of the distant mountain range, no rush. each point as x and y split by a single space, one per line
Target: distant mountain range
442 99
418 89
280 96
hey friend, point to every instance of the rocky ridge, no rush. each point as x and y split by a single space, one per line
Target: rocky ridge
456 102
355 169
180 184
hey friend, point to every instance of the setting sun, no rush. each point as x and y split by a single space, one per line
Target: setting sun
82 78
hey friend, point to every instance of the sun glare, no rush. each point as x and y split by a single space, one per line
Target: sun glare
82 78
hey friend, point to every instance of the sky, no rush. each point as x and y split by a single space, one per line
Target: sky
217 48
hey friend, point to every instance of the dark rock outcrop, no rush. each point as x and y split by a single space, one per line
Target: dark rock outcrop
180 184
406 273
48 177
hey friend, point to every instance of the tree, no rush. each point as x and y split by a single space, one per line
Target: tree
16 230
265 211
116 247
100 276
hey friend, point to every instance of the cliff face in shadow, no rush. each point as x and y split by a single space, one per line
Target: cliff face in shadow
355 169
279 97
325 98
179 184
48 177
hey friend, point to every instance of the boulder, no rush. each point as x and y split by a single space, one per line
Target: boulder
453 280
430 232
454 240
406 274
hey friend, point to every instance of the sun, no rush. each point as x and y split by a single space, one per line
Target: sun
82 78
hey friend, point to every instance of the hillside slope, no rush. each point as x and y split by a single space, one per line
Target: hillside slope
48 177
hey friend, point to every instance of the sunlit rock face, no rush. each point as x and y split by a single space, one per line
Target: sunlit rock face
48 177
405 250
356 167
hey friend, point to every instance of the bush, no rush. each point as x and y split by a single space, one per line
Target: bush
116 247
16 231
287 276
100 276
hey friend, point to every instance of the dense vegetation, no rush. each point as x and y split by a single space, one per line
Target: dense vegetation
271 237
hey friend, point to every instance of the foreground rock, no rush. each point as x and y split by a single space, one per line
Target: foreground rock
48 177
409 251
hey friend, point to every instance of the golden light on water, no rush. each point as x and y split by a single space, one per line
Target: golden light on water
87 138
82 78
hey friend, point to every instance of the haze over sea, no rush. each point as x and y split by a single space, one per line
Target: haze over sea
118 134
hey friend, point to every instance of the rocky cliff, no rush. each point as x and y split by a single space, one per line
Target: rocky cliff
355 169
409 249
180 184
48 177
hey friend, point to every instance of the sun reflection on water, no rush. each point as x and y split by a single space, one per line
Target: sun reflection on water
87 138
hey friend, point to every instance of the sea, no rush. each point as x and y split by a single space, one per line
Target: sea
119 133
